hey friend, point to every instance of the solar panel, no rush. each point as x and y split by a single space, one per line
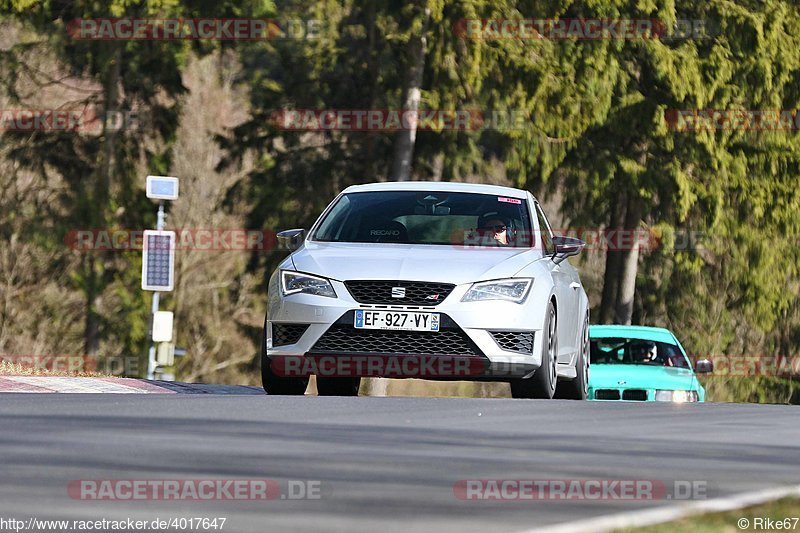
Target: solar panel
158 261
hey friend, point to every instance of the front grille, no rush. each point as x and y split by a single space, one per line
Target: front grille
347 339
283 334
343 338
631 395
636 395
423 293
516 341
606 394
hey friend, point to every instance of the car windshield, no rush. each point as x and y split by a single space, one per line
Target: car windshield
625 351
427 217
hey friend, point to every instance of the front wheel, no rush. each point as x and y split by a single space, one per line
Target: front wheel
275 384
543 382
578 388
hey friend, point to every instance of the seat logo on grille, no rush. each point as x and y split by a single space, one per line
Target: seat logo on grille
398 292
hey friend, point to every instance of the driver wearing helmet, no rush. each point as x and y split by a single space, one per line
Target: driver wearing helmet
493 225
646 353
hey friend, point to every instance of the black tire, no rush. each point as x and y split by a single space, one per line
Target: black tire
543 382
338 386
578 388
277 385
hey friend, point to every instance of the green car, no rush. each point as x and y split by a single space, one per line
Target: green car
638 363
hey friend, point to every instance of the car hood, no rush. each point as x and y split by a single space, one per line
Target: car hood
382 261
603 376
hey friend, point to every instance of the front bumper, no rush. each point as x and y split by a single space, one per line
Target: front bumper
631 394
477 330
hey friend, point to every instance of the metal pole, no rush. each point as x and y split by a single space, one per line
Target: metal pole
151 357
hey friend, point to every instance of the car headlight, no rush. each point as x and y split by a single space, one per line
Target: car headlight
511 290
678 396
296 282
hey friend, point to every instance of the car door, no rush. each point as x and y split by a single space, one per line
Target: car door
566 289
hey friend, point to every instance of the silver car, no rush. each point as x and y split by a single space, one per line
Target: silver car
428 280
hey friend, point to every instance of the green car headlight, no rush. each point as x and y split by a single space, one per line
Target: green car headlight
297 282
511 290
677 396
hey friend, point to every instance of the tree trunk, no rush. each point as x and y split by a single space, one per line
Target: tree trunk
91 328
94 283
613 264
629 262
373 67
437 167
405 139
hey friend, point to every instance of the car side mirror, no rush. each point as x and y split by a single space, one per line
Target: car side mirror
704 366
566 247
291 239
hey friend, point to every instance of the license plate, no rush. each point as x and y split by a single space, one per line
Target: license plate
396 320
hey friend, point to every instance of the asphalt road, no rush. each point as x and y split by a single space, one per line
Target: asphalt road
386 464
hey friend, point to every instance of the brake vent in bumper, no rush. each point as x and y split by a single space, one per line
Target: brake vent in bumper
283 334
606 394
515 341
636 395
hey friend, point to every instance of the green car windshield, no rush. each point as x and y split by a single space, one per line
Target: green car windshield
623 351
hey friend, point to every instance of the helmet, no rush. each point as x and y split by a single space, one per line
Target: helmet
645 352
497 215
493 215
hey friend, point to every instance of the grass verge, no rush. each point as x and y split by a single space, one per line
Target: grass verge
9 368
766 517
